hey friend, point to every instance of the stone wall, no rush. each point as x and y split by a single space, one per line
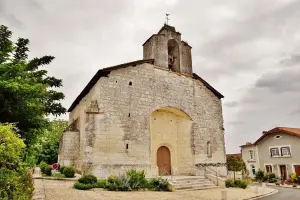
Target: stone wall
69 148
125 117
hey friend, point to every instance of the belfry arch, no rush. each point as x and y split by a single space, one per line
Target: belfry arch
170 131
173 56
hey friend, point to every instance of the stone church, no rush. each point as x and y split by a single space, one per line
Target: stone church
153 114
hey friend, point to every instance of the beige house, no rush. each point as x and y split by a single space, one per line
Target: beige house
153 114
276 151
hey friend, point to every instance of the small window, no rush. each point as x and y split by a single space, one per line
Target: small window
285 151
209 153
126 146
130 83
274 152
128 114
278 136
269 168
251 154
253 169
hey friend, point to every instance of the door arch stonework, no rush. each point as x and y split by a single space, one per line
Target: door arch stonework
172 128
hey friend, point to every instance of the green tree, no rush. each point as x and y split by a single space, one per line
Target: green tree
27 93
47 143
235 164
15 181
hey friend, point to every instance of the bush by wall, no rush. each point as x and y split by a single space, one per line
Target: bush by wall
82 186
88 179
69 172
131 180
260 175
61 169
241 183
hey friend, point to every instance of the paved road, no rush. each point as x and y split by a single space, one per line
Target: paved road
284 194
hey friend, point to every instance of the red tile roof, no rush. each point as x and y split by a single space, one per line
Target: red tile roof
290 131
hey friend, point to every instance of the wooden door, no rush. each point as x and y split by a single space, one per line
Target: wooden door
297 170
164 161
283 171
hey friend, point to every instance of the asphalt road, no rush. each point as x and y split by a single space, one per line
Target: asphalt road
284 194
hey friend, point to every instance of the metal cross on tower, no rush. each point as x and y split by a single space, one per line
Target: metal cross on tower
167 18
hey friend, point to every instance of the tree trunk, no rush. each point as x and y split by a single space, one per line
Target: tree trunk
233 175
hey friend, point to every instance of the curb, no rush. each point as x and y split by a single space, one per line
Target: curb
263 195
56 178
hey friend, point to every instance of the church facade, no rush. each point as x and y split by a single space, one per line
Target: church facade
153 114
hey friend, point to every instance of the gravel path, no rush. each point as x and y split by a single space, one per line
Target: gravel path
63 190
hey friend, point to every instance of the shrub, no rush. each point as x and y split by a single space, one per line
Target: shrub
293 176
241 183
171 188
69 172
43 166
297 180
158 184
88 179
260 175
229 183
119 184
47 170
136 178
111 179
288 181
82 186
61 169
100 184
15 181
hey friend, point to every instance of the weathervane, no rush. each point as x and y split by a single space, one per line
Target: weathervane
167 18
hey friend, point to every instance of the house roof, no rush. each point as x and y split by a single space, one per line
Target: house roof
248 144
290 131
106 71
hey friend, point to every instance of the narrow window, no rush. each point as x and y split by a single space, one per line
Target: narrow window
274 152
130 83
251 154
269 168
285 151
128 114
126 146
209 153
253 169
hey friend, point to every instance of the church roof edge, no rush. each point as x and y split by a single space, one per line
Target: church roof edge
102 73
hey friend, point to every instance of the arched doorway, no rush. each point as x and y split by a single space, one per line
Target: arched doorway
164 161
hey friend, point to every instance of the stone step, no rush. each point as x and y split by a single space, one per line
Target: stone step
190 180
188 177
199 188
188 184
194 186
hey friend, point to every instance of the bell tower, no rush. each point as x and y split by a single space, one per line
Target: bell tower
169 51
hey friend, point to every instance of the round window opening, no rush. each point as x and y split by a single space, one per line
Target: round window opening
278 136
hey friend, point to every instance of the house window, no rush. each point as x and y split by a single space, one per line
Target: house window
285 151
251 154
274 152
253 169
269 168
